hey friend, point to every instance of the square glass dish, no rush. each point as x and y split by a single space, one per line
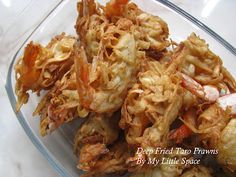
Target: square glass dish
57 148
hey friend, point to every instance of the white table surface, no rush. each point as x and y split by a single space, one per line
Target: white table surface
18 156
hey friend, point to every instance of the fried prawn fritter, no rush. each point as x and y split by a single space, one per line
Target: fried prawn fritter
151 105
103 83
208 83
40 67
96 142
152 32
90 27
227 146
111 162
210 124
194 59
97 129
60 104
110 50
215 130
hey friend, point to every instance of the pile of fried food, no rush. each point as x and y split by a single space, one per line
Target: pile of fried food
135 88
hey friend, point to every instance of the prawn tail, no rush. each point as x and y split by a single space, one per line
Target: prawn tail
85 91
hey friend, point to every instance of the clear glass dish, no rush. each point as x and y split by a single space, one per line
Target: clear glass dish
57 148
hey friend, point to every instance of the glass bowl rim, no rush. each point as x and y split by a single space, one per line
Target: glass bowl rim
10 92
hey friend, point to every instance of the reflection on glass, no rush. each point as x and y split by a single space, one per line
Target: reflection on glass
6 3
210 5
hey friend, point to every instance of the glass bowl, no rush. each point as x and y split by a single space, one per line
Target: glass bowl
57 148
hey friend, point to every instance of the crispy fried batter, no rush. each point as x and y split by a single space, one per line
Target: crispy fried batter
40 67
194 58
97 146
113 162
61 104
152 104
210 123
227 146
151 32
110 51
97 129
104 81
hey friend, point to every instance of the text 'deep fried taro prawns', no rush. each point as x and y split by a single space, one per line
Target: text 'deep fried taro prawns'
109 52
177 169
40 67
